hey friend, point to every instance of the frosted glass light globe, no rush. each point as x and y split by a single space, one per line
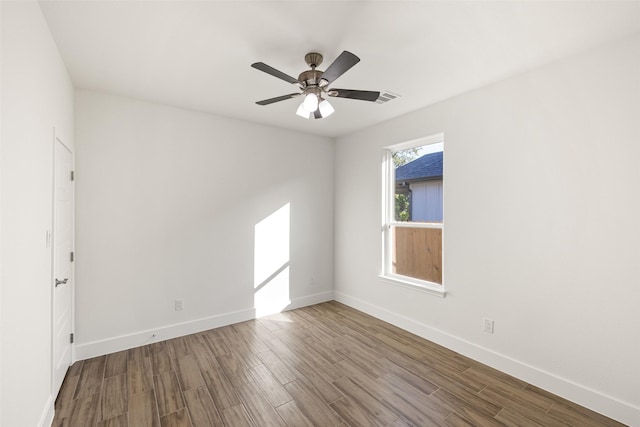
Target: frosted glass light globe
326 109
302 112
310 102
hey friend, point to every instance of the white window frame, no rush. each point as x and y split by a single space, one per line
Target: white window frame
389 221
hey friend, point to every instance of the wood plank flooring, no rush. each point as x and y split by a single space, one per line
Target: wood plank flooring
324 365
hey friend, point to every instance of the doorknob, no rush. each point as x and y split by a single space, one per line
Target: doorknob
61 282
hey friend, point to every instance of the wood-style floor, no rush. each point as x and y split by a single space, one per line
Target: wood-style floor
324 365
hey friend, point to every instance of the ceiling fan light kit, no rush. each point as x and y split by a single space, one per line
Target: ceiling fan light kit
314 85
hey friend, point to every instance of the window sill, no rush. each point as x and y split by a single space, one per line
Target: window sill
432 290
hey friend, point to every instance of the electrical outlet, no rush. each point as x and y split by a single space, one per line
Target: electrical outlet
488 326
179 304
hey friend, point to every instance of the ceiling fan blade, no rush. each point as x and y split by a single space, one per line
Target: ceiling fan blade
276 73
363 95
341 65
277 99
316 114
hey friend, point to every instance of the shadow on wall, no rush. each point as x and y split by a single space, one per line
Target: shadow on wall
271 263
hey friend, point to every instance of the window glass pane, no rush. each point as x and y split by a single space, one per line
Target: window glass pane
417 253
418 184
417 196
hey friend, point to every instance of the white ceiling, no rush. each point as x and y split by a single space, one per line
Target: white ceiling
197 54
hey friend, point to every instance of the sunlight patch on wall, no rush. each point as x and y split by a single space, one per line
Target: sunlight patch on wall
271 263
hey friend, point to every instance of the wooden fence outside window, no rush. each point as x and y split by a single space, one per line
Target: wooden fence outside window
417 253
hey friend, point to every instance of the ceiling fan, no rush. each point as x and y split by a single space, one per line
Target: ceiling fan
314 85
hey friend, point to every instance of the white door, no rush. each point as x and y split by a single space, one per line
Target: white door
62 269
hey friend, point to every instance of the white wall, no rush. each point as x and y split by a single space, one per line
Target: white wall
541 208
167 203
36 96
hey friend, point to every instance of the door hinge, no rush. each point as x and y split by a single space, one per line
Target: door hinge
72 257
71 338
73 175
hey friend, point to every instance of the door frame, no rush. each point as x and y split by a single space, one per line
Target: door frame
62 139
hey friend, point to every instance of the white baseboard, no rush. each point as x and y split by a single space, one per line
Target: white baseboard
46 419
611 407
124 342
308 300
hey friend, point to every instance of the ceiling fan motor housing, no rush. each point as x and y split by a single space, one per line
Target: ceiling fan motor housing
310 77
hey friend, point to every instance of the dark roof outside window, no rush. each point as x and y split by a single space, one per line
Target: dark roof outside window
426 167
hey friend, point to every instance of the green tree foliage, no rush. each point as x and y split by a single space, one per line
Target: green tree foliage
405 156
402 200
402 207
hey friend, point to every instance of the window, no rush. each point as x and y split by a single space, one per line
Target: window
413 213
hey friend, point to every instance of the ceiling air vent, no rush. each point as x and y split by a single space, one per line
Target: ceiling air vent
386 96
